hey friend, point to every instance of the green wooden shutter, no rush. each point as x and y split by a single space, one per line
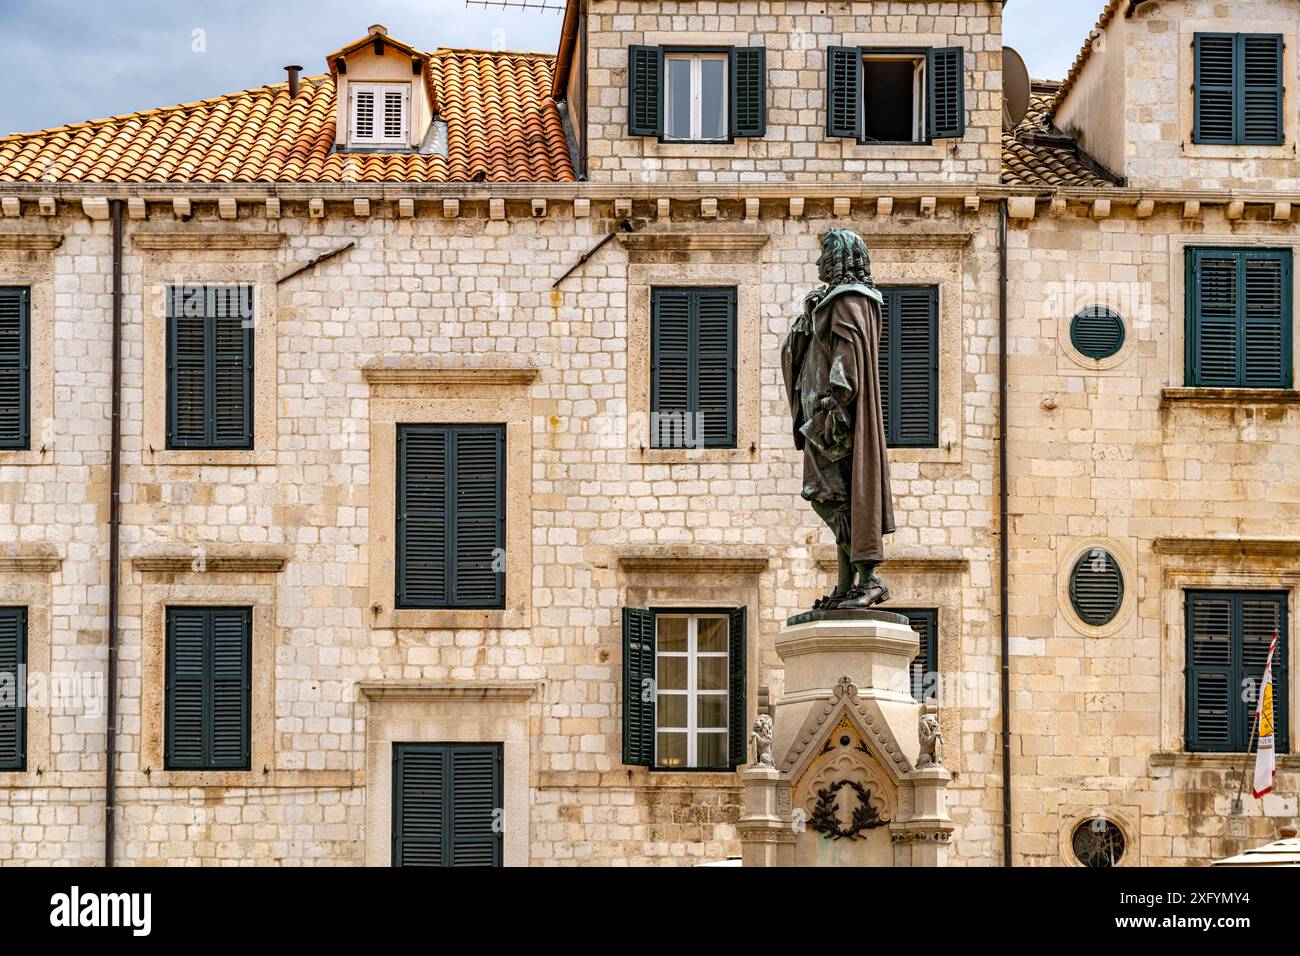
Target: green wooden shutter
208 688
844 91
478 520
418 810
423 506
1260 57
475 799
15 367
13 688
714 327
946 71
187 406
670 368
737 706
748 91
638 687
230 375
645 77
925 621
1097 332
1239 318
908 366
1214 113
1260 616
1096 587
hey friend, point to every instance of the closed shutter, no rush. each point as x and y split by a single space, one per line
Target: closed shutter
1096 587
363 114
1239 89
1239 304
908 367
451 516
395 115
208 688
924 621
947 88
737 706
15 368
638 687
1228 636
447 804
748 91
693 368
210 367
645 71
844 91
1097 332
13 688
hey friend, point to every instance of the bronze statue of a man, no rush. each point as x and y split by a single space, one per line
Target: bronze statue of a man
831 376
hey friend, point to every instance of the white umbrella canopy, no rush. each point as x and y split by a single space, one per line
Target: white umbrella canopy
1280 853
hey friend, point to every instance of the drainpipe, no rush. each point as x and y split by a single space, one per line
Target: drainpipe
114 541
1004 534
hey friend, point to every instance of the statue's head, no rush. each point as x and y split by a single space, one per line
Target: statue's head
763 724
844 259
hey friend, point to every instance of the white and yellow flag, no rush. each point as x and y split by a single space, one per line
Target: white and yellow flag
1264 761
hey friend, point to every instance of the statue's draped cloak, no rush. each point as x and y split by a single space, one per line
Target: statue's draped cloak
833 351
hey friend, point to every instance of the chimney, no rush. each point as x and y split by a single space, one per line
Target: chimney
377 30
293 72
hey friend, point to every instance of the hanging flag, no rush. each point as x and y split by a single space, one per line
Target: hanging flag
1265 764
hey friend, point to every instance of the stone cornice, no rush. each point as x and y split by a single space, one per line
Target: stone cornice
936 561
1229 547
30 241
33 561
206 241
749 241
213 559
449 690
697 559
1217 761
1230 396
450 375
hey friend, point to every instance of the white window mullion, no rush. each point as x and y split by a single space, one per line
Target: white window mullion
692 685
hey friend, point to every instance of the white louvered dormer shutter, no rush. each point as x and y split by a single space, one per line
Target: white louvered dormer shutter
379 114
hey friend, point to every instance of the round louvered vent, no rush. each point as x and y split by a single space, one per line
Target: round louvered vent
1097 332
1098 842
1096 587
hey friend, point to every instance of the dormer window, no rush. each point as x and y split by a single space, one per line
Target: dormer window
379 114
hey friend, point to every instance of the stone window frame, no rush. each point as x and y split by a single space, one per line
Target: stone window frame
682 261
448 712
173 581
22 265
450 396
230 259
1214 564
1187 30
1178 246
26 580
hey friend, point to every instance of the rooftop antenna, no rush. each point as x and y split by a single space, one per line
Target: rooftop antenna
537 6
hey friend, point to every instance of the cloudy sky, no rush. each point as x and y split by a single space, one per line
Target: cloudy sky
63 61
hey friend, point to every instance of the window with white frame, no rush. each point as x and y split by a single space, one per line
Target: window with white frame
695 96
691 690
378 114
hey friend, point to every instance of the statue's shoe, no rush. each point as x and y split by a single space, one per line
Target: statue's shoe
870 597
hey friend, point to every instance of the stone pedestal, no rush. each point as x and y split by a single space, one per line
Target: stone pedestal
846 744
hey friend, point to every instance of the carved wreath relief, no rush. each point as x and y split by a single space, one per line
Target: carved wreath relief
826 815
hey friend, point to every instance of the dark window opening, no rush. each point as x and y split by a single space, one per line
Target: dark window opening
893 98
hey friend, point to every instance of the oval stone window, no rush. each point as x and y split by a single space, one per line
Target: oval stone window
1097 332
1098 842
1096 587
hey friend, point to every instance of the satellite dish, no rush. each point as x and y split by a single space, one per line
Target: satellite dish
1015 89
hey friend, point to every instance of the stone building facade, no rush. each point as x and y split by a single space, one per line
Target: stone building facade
500 267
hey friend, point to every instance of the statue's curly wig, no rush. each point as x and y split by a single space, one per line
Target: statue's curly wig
847 260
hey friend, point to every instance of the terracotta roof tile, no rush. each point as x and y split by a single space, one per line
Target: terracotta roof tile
1037 154
501 122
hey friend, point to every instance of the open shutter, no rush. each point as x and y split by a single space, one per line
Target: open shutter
230 311
737 706
670 369
478 516
925 622
422 525
947 81
638 687
714 322
418 809
1266 310
475 797
748 91
908 367
1260 616
229 687
15 368
645 71
1260 59
185 688
13 651
844 91
1210 693
1215 80
187 393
